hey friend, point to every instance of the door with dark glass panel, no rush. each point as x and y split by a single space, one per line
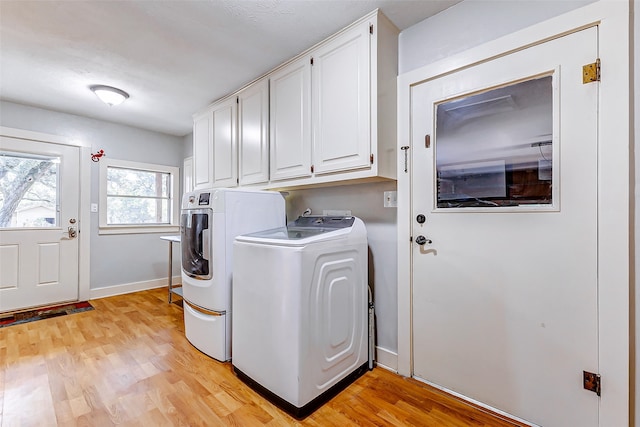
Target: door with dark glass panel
504 220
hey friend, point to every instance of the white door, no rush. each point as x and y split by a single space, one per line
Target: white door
39 185
504 205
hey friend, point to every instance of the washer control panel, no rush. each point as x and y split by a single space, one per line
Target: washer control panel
324 221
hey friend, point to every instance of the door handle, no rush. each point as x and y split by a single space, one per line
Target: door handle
73 233
421 240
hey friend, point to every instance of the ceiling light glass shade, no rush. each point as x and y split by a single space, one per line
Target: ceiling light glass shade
110 95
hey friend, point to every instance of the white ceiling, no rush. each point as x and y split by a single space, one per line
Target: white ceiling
172 57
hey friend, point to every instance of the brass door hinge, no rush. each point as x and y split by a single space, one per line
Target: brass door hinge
370 28
311 168
592 382
371 158
591 72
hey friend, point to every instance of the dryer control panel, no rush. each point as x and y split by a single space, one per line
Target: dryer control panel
196 199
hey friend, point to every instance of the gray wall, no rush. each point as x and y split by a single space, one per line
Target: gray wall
187 145
472 23
115 259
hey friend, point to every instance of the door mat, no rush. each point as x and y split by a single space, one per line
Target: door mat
44 313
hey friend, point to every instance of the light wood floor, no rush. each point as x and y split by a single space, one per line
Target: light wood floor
128 363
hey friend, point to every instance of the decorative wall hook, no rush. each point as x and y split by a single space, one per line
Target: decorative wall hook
96 157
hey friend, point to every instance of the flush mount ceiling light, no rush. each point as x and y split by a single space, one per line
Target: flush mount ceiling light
110 95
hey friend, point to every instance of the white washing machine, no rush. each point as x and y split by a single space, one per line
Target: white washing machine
210 221
300 304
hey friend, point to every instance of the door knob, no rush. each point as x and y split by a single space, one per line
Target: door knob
421 240
72 232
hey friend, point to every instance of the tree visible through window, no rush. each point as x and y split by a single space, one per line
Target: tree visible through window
138 196
28 190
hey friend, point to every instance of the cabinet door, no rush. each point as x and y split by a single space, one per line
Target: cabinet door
253 133
225 154
290 129
202 151
341 102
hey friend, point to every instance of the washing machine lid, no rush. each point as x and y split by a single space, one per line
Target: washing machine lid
303 231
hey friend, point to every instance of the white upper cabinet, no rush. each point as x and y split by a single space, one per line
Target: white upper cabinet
331 116
290 127
353 106
202 150
215 160
341 100
225 147
253 133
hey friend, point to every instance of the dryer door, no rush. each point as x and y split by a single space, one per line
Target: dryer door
195 241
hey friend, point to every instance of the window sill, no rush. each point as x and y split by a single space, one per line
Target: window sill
138 229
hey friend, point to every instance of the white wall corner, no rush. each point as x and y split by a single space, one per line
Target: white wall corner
387 359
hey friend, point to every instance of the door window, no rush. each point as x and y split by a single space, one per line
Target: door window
495 148
28 190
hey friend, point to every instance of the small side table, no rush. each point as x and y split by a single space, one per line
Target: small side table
171 288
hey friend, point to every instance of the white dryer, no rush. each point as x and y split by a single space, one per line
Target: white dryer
300 304
210 221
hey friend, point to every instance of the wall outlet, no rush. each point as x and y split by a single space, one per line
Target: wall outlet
94 207
390 199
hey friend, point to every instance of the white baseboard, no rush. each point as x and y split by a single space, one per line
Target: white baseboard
128 288
387 359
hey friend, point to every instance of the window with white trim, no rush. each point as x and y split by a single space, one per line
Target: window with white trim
138 197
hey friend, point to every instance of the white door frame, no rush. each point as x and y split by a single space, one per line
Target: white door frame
84 223
614 137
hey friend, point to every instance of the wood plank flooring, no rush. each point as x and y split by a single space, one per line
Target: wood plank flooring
128 363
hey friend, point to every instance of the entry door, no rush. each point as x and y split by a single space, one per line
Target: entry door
38 229
504 204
